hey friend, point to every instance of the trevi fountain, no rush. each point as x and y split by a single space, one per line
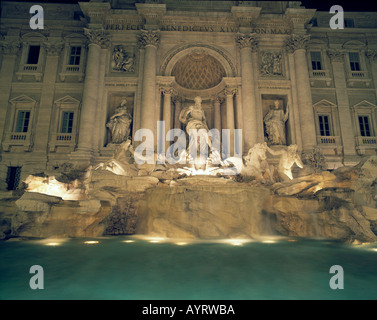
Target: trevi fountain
195 191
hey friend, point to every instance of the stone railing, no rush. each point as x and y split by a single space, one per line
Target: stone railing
366 141
34 70
319 74
64 137
72 70
19 139
62 140
358 74
327 140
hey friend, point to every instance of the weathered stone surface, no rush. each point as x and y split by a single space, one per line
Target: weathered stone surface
338 205
68 219
202 211
36 202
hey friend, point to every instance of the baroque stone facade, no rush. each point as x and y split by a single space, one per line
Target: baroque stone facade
61 85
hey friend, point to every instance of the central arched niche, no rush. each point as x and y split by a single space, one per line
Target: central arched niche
198 70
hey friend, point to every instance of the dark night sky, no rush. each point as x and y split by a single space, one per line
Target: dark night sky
321 5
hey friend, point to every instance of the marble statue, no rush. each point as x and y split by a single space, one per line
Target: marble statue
256 165
122 162
288 158
275 121
193 117
120 123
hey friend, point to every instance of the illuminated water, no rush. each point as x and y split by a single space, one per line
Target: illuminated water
113 269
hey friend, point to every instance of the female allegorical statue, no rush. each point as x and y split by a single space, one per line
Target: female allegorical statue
275 121
120 123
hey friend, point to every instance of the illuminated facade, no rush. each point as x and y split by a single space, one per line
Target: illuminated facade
61 85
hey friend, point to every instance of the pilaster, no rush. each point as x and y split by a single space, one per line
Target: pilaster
248 45
42 128
296 46
11 49
345 117
97 39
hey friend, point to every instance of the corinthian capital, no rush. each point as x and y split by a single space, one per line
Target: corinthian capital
149 38
98 37
247 40
53 48
10 47
336 55
296 42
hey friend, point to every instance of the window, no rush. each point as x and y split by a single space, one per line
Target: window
22 124
33 55
324 126
354 61
67 122
349 23
74 57
364 126
13 177
316 60
314 22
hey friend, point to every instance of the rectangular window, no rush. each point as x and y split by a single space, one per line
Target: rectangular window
324 125
316 60
349 23
22 124
67 122
354 61
364 126
13 177
74 57
33 55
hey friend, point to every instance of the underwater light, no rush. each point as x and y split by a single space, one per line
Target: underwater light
268 241
91 242
129 241
181 243
52 244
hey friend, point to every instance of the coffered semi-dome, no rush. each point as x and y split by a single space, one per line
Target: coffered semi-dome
198 70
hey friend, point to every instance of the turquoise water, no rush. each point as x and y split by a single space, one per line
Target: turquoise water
114 269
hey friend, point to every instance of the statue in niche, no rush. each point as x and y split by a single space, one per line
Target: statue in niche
193 117
271 64
122 61
288 158
275 121
120 123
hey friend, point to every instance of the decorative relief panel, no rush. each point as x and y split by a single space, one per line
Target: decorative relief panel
271 64
123 60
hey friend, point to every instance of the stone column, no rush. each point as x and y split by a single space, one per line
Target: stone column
248 46
149 40
345 117
229 92
42 128
11 49
97 39
177 110
166 112
217 113
296 45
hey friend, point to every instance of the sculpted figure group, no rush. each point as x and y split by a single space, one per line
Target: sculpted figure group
256 164
126 161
